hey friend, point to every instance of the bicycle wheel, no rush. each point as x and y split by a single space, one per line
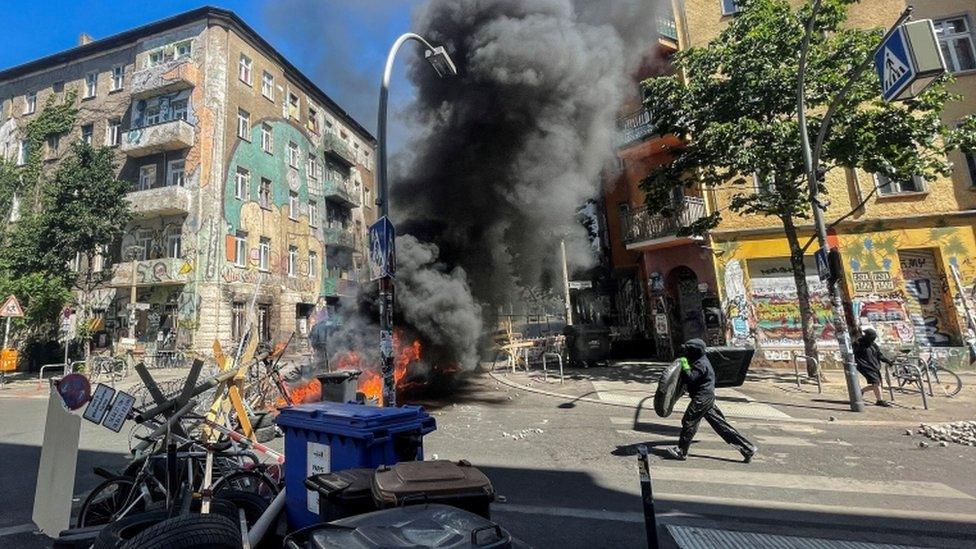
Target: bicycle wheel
945 380
107 501
253 482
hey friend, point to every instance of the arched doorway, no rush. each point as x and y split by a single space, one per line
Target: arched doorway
686 312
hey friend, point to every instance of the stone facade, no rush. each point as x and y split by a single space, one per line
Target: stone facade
201 242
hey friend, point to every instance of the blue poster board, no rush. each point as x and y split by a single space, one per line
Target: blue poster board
382 249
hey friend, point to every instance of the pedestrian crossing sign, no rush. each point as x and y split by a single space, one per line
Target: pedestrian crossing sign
11 307
894 65
909 60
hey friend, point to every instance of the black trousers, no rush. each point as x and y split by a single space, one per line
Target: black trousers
703 407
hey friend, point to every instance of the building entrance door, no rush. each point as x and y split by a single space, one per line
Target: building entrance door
683 288
930 310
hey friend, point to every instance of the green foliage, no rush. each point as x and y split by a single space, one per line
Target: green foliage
736 106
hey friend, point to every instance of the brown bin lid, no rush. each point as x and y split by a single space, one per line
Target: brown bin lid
429 477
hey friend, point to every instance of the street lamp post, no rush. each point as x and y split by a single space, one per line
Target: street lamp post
811 162
442 63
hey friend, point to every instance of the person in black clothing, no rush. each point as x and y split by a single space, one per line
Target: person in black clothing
868 358
699 377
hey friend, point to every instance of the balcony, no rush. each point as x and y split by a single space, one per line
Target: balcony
338 286
167 136
634 128
340 191
667 29
338 149
642 230
343 238
165 78
168 200
151 272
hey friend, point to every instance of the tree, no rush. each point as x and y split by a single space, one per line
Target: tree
733 102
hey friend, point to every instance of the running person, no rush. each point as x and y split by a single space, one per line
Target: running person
699 379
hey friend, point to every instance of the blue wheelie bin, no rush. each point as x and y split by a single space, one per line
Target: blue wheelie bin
324 437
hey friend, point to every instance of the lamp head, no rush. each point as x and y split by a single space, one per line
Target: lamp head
441 61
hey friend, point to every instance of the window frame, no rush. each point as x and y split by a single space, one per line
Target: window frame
916 179
267 138
242 183
265 193
113 132
118 78
293 205
175 236
729 7
171 170
240 248
313 212
245 67
91 85
269 83
970 158
264 253
293 154
243 124
179 109
147 172
89 135
943 38
313 259
292 260
30 102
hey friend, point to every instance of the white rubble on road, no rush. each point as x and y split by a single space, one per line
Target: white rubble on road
960 432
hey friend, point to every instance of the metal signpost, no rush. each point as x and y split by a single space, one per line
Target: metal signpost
382 267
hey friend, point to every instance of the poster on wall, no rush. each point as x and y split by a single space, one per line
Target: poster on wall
776 306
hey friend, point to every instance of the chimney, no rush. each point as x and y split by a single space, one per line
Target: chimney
84 38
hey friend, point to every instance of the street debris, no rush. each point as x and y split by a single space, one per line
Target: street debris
960 432
520 435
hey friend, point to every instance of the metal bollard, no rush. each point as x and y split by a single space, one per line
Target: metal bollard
647 497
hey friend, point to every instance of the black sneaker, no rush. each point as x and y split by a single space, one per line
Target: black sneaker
747 453
677 454
883 403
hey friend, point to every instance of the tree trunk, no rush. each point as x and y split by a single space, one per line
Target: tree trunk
802 294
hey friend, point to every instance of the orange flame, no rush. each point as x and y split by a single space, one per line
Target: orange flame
371 381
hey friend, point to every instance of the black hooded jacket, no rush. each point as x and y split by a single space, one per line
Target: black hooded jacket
700 381
867 354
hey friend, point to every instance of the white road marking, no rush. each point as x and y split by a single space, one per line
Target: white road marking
809 482
19 529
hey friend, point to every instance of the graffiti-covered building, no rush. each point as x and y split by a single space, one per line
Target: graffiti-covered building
247 180
735 285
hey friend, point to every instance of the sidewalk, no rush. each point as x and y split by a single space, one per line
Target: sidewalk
767 394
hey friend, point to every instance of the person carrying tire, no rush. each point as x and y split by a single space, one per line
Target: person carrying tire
699 378
868 358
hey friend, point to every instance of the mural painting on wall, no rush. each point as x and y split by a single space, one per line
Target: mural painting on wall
925 286
736 306
777 307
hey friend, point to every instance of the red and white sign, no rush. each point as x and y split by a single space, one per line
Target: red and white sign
11 307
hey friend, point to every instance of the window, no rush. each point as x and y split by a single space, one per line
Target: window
86 133
293 154
14 209
264 253
292 205
240 248
765 184
118 77
153 115
729 7
177 109
244 69
267 139
24 152
184 49
267 85
144 243
30 102
311 166
98 261
173 245
243 124
241 184
91 83
887 187
155 58
313 264
264 193
313 213
147 177
971 164
237 320
313 120
956 40
113 132
53 145
75 264
294 106
292 260
176 176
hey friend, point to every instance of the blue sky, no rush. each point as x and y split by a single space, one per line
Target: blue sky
340 44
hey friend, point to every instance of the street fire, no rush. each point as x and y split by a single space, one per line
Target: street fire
371 379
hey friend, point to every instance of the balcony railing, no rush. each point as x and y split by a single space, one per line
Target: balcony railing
344 238
341 191
635 127
667 28
638 226
165 78
167 200
338 286
168 136
338 149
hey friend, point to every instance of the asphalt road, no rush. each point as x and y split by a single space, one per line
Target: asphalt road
568 473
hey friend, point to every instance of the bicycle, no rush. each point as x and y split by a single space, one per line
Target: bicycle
113 368
946 380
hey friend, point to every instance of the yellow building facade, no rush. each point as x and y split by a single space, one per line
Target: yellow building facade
899 250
